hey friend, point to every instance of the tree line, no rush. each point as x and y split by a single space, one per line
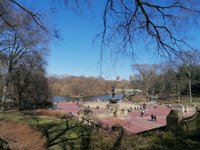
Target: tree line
82 86
172 79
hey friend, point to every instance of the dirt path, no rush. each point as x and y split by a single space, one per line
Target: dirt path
21 137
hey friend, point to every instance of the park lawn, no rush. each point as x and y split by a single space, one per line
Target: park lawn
53 126
25 118
184 100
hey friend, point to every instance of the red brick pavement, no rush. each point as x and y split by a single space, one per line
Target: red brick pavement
134 123
68 107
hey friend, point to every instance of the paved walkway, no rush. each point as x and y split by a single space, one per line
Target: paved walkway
68 107
141 124
133 123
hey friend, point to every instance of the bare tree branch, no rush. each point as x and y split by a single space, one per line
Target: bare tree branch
35 16
152 19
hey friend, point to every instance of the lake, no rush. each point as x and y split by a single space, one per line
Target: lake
57 98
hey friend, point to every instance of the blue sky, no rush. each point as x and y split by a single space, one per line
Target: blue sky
75 54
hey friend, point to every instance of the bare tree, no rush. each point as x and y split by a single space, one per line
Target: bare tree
189 60
11 10
17 44
31 88
168 80
146 75
159 22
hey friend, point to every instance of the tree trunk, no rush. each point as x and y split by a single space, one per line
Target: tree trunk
178 92
189 86
4 97
179 97
20 100
190 90
4 94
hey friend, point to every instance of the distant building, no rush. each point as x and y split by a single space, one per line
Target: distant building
118 78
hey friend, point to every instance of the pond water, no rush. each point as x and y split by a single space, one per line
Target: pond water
57 98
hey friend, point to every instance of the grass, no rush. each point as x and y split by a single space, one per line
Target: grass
29 119
18 134
184 100
51 127
172 99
